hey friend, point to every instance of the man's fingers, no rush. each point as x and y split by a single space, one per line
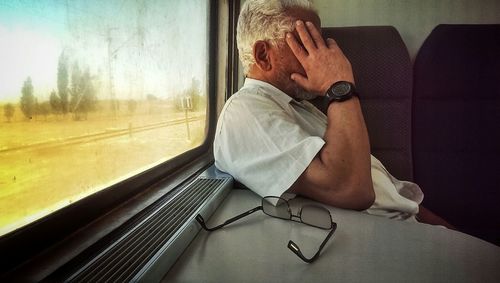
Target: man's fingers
315 34
300 80
304 35
296 48
330 42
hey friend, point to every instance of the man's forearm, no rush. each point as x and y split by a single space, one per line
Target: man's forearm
346 136
346 153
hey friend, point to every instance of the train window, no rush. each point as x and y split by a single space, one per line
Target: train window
92 93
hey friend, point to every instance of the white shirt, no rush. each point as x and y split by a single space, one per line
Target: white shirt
265 140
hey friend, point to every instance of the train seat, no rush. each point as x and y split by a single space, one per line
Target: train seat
456 132
383 74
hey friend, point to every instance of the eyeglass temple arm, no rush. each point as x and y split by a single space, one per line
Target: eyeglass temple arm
296 250
200 219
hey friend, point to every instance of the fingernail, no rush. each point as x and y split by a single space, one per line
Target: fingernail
299 22
309 23
289 35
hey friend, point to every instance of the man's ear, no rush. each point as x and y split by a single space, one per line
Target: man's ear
261 55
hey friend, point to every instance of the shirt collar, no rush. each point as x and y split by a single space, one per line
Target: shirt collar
279 96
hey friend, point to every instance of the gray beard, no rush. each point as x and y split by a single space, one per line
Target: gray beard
298 93
301 94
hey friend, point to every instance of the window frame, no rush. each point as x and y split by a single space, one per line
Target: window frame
33 239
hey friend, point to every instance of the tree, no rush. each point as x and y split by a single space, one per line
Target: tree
89 99
8 111
62 83
83 94
43 109
76 91
55 103
27 99
76 88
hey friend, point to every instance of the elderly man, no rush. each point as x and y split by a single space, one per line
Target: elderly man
275 142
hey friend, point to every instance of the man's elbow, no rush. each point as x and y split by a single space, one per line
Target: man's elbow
364 196
358 196
362 192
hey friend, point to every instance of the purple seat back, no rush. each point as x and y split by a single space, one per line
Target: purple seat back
383 74
456 130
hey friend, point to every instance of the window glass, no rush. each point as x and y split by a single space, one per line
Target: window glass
93 92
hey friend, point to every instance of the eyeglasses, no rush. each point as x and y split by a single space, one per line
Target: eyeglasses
312 215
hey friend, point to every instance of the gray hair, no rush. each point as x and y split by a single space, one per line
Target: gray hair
264 20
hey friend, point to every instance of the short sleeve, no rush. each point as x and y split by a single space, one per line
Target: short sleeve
261 145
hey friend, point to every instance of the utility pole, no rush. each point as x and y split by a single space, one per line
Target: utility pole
141 13
110 73
187 105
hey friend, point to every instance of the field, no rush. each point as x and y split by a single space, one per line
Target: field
49 162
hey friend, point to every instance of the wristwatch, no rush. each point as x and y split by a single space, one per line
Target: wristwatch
340 91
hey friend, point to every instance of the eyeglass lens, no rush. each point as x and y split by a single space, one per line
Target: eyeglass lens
316 216
280 210
313 215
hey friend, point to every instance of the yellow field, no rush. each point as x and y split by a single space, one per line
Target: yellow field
40 173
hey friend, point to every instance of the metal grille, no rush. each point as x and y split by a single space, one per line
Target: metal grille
123 259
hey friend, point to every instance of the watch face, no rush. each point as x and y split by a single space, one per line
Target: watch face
342 89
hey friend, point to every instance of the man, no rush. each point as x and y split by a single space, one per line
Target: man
274 142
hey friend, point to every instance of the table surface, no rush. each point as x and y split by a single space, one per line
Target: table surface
364 248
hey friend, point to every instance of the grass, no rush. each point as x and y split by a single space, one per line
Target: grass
36 181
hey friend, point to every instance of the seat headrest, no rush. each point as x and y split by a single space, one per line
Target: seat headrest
379 57
456 61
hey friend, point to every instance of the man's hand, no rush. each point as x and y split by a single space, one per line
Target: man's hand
324 63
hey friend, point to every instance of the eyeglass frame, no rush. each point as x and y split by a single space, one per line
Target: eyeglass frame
291 244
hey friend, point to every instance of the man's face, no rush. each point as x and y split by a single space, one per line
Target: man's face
286 63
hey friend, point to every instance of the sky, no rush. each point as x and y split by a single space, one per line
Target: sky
142 47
